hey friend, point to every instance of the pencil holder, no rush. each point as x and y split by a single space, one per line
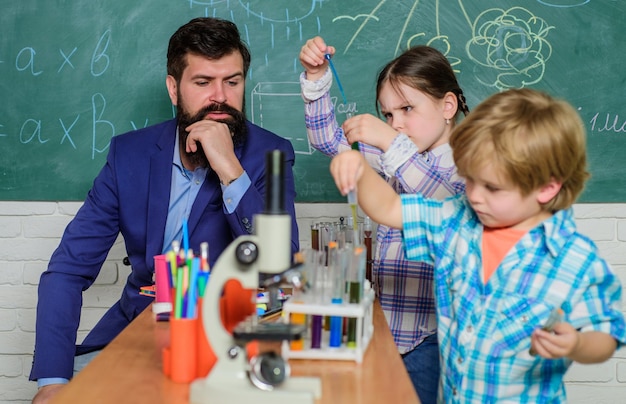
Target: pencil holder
183 349
166 357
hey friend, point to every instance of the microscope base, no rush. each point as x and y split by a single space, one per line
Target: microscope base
301 390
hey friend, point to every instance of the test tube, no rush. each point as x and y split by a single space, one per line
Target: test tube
336 267
315 237
355 276
298 298
326 236
350 234
297 318
318 280
341 234
367 240
354 208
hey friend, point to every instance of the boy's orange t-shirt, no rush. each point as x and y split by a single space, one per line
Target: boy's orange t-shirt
496 244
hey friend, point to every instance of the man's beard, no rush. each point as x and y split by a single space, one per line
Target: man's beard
236 124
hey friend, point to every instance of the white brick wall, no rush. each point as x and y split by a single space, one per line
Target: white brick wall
30 231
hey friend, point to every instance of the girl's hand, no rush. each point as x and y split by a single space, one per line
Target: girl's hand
368 129
312 57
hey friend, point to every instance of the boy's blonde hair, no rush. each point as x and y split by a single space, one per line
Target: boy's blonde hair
531 137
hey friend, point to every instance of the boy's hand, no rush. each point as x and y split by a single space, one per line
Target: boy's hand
368 129
347 168
561 342
312 57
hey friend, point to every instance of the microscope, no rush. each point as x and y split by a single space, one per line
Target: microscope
264 378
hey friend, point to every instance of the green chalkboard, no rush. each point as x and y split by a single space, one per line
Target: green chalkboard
75 73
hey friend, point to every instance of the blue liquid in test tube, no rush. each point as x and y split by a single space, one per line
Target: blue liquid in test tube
336 271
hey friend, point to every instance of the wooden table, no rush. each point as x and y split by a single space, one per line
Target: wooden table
128 370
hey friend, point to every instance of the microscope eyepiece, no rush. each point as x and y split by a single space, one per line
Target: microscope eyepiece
275 180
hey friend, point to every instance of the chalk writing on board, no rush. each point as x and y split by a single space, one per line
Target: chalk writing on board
366 19
66 59
99 122
279 11
28 54
607 123
32 129
26 136
307 188
73 78
268 102
512 44
66 131
564 3
100 59
26 58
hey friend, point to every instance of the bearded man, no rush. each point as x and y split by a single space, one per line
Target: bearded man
206 167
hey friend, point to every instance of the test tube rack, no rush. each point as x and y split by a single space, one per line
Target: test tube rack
363 312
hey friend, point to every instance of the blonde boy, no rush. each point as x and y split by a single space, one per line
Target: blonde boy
507 253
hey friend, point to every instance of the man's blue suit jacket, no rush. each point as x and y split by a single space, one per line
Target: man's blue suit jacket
131 196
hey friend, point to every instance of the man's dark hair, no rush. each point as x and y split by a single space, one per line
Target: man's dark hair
213 38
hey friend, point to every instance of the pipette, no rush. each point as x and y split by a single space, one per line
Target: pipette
355 145
332 68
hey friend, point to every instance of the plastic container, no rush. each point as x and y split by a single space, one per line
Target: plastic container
362 312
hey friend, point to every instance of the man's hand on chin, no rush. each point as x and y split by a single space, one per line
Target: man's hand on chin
45 394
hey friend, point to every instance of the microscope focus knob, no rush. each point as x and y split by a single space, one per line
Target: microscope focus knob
247 252
268 370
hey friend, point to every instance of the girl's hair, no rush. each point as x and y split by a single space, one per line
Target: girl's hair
425 69
530 138
212 38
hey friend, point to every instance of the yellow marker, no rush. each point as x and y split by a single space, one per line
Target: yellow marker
171 258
